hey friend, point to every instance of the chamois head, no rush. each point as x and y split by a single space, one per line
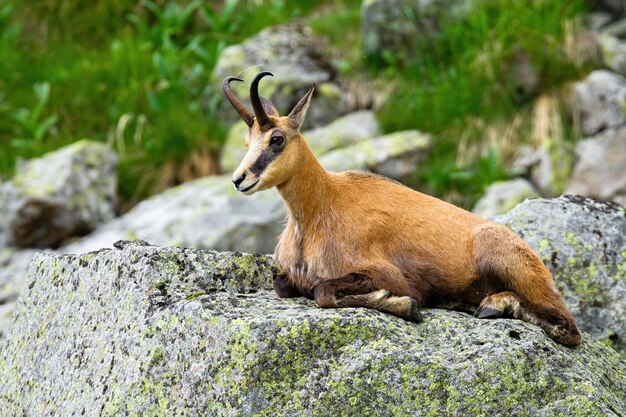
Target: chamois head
272 140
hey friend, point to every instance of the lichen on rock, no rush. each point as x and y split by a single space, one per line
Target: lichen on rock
152 331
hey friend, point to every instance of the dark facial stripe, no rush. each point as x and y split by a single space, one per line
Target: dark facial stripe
263 161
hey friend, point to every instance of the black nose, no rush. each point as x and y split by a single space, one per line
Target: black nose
239 180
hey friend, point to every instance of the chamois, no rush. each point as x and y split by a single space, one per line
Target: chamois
356 239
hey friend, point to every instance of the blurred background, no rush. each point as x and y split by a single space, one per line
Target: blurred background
113 124
482 77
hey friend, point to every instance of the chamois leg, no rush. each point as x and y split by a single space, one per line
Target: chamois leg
404 307
499 304
513 270
359 290
284 288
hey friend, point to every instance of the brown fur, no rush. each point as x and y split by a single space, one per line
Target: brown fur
351 234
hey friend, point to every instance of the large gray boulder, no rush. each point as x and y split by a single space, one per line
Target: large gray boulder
583 243
502 196
292 53
391 25
66 193
142 330
599 100
346 130
600 169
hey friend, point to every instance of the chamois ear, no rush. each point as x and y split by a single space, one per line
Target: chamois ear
296 117
269 107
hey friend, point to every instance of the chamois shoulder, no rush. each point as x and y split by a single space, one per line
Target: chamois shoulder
401 198
357 175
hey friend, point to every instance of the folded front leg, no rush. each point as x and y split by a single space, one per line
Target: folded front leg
358 290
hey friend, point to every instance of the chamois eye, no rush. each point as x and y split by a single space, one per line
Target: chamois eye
277 141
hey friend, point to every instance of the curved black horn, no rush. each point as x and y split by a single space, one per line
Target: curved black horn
257 106
241 109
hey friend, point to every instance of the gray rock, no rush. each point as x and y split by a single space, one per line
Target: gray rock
344 131
65 193
617 29
599 100
548 166
502 196
613 53
391 25
292 54
582 241
206 213
167 331
395 155
597 21
600 169
347 130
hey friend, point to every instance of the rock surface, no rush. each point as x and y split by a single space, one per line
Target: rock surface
613 53
599 100
600 169
65 193
166 331
344 131
547 166
395 155
206 213
582 241
293 55
502 196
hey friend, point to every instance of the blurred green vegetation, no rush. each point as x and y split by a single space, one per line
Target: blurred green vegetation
137 75
133 73
457 83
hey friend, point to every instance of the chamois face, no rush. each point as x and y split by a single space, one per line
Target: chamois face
273 142
271 158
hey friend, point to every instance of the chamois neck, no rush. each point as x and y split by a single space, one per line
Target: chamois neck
308 190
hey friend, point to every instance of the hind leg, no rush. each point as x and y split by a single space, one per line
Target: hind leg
509 303
522 283
499 304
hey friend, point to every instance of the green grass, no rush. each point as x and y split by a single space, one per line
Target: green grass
445 82
135 74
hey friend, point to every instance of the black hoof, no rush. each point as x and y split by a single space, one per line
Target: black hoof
415 315
487 312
